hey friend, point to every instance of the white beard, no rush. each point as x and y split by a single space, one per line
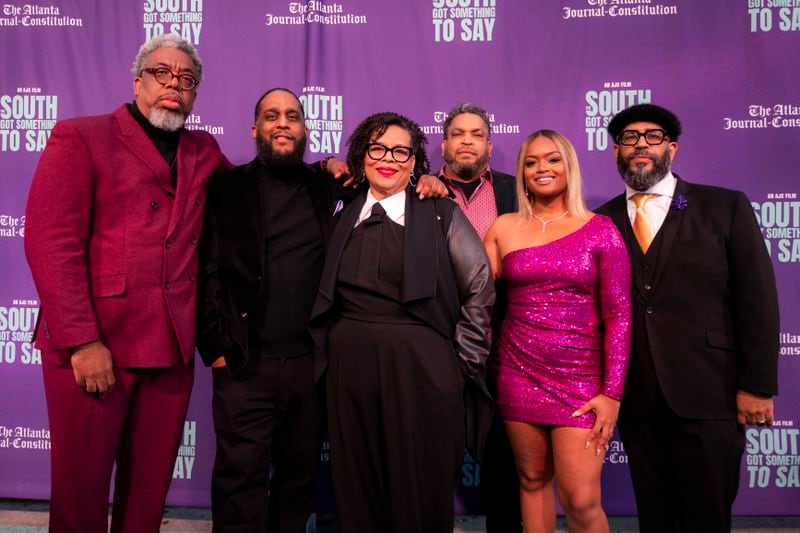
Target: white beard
165 119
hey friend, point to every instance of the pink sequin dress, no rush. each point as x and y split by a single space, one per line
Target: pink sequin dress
566 334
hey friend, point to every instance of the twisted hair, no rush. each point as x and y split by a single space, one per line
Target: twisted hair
373 127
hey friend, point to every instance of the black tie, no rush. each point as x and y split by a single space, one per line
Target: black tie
377 214
369 259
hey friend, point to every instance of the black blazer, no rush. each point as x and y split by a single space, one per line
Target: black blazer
705 307
505 192
232 256
447 284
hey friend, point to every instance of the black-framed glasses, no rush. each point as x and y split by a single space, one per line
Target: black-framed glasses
163 75
400 153
651 137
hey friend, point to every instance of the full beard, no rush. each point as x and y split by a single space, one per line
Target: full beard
166 119
466 172
641 179
273 159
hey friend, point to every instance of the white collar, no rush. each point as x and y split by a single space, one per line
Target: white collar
394 205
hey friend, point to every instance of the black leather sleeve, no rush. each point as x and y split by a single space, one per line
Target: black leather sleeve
476 293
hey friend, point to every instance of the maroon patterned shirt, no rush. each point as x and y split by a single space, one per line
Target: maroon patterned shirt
480 207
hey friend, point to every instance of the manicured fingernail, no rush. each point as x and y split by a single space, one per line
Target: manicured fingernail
576 413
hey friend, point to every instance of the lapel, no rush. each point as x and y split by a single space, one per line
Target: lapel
420 248
618 211
669 230
505 193
341 234
187 160
253 198
133 137
320 201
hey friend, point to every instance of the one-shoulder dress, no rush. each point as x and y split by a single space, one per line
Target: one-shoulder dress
566 335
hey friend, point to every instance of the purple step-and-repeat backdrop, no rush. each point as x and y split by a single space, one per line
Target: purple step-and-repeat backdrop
728 68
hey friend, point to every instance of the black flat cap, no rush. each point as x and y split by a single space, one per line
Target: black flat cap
645 113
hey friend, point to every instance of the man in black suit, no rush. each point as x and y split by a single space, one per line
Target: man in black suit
484 194
705 332
262 252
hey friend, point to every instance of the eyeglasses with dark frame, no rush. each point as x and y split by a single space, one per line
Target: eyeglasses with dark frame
400 153
163 75
652 137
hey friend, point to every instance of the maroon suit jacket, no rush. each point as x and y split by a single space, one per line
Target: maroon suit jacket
112 245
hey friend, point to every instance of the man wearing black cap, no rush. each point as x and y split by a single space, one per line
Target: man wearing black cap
705 332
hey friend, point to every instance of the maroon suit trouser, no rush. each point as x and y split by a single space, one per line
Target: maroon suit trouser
138 426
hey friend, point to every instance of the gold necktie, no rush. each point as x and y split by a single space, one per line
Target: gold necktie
641 224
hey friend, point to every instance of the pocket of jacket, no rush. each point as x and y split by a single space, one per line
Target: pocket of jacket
108 286
720 340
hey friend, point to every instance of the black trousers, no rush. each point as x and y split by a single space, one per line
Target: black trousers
685 472
396 422
265 416
500 482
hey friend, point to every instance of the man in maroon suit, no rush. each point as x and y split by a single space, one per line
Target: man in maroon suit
113 221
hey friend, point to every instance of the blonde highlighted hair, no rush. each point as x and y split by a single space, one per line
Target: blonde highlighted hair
574 192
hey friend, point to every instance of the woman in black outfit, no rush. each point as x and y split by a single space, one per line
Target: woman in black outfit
403 314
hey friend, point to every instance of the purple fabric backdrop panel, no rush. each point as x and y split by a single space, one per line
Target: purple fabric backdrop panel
726 68
35 91
191 475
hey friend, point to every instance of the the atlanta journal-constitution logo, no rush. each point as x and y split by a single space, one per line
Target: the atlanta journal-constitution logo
34 15
618 8
314 12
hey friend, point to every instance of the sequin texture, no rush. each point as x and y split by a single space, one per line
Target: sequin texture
566 335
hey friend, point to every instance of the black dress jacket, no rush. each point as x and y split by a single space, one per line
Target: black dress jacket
447 284
505 192
705 306
232 269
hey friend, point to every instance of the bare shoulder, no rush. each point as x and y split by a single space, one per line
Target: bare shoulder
498 224
504 221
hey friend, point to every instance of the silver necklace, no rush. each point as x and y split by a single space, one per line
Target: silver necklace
546 222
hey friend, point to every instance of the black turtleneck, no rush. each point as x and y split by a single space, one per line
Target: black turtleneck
294 254
166 142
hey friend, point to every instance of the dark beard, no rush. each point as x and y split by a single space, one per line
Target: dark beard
640 179
466 172
275 160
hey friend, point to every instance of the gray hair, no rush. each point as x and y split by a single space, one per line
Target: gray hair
167 40
467 107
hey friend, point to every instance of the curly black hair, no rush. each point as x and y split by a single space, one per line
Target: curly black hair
373 127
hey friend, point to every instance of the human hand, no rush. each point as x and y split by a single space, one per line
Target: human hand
93 368
606 410
753 409
338 169
431 187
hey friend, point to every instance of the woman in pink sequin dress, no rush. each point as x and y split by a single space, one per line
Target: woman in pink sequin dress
565 340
